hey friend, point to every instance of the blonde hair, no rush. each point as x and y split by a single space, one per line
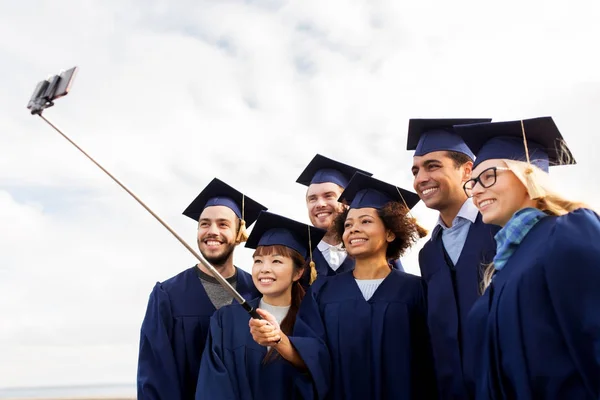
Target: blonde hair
537 183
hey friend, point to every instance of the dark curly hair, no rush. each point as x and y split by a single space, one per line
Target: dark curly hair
394 216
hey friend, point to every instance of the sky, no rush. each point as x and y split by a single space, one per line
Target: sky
171 94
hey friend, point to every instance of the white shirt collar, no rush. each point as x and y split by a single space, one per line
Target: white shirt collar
322 246
468 211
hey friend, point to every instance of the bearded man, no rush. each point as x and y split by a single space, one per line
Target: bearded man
177 319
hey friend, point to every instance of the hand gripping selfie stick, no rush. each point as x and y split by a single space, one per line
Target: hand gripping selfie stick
58 86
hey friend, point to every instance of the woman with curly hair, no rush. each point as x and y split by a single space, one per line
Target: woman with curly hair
535 332
363 334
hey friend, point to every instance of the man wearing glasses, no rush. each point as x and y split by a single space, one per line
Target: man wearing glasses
461 245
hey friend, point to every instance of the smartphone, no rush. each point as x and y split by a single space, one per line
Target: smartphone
51 89
64 83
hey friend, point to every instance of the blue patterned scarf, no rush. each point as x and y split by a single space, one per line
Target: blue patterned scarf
513 233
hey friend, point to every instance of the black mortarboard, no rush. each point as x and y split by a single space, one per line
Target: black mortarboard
218 193
500 140
428 135
365 191
272 229
322 169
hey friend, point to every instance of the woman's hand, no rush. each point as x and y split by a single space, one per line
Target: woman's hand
266 331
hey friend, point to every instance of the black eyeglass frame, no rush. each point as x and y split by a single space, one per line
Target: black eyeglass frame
477 179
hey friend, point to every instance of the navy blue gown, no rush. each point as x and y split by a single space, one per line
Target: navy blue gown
232 365
452 290
358 349
535 333
173 335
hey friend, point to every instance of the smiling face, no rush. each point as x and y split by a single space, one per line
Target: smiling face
365 234
274 271
217 230
438 181
499 202
322 203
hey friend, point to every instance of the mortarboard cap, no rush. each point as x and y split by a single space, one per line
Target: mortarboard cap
500 140
365 191
218 193
272 229
322 169
429 135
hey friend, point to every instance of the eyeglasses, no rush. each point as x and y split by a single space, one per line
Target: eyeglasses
487 178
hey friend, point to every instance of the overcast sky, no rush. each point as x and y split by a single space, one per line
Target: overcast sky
173 93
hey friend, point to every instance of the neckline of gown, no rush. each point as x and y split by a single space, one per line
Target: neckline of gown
379 293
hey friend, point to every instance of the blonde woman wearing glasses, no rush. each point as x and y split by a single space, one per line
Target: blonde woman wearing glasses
535 332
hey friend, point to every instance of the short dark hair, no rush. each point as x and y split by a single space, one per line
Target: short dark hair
459 159
394 216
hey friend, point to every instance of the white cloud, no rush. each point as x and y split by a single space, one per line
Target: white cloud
171 94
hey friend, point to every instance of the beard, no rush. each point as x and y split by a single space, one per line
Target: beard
218 259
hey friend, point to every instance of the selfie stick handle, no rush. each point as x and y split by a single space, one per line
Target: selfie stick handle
199 256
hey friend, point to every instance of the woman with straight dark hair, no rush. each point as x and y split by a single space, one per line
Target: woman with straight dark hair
234 366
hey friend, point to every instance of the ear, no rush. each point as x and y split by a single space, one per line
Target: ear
390 236
297 275
466 170
343 205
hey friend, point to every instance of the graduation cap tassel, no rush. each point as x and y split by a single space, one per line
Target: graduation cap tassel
422 232
313 269
242 235
404 202
533 188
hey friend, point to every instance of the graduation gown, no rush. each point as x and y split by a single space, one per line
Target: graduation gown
537 327
358 349
232 364
452 290
173 334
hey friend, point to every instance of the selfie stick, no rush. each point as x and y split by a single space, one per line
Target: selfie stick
58 86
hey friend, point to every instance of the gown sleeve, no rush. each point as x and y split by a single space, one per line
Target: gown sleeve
572 272
157 372
215 381
309 340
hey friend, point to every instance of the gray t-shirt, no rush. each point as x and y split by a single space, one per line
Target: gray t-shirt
217 295
368 286
279 312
